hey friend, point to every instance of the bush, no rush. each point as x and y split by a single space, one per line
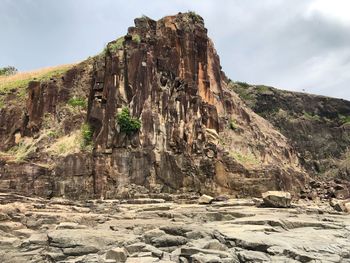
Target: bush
195 17
77 102
242 84
126 123
136 38
86 134
7 71
233 125
344 119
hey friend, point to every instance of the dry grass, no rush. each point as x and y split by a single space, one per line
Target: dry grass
66 145
21 80
247 159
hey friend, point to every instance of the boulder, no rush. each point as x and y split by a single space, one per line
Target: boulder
341 205
253 256
118 254
168 241
205 199
277 199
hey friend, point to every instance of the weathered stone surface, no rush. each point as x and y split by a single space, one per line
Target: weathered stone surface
168 241
253 256
277 199
118 254
205 199
307 231
341 205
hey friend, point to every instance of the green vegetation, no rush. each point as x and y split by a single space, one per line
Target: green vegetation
233 125
136 38
344 119
262 88
127 123
195 17
2 103
52 134
7 71
86 134
77 102
114 46
118 44
242 84
242 89
311 116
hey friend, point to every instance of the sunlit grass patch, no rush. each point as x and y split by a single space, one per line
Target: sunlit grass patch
21 80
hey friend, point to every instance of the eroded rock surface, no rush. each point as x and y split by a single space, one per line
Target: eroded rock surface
59 230
196 135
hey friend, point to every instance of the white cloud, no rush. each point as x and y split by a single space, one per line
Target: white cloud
334 9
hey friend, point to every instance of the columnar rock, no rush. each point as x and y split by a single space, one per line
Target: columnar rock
195 134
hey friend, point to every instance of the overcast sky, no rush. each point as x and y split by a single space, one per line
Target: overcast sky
289 44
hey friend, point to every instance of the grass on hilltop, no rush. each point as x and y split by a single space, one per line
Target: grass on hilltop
20 80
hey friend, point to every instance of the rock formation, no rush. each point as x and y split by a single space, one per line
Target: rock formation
196 134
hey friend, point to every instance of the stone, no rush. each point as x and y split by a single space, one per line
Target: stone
277 199
143 247
79 250
168 241
205 199
188 252
215 245
70 225
341 205
118 254
141 260
253 256
175 230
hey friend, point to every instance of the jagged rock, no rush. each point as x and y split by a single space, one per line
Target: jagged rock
341 205
118 254
205 199
277 199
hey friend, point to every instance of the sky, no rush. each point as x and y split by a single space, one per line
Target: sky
299 45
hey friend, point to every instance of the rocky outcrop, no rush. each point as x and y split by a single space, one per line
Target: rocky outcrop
195 134
168 74
317 126
277 199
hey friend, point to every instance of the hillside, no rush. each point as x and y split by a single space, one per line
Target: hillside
317 126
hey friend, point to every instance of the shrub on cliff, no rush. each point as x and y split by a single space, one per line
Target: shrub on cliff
77 102
127 123
86 134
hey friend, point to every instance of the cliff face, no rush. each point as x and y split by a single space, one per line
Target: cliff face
317 126
196 135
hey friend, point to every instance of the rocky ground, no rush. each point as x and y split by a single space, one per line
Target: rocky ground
177 230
